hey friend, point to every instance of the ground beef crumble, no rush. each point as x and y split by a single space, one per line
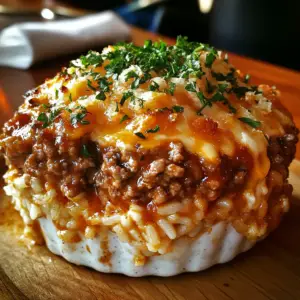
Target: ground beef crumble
157 175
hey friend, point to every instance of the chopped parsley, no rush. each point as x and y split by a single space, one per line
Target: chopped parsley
44 119
141 102
231 108
140 135
218 96
250 122
210 57
101 96
82 98
46 106
131 74
163 109
135 84
56 93
84 151
92 58
201 97
247 78
240 91
117 107
191 87
153 130
178 109
209 87
182 60
172 87
124 118
222 87
79 115
48 118
89 84
70 97
125 96
148 44
154 86
225 77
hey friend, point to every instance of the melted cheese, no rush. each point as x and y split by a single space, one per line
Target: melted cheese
147 111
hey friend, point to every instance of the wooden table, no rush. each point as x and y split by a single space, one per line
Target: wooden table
269 271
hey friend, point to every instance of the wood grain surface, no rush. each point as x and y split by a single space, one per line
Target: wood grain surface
271 270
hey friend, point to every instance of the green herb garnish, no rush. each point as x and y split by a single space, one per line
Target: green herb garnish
82 98
191 87
48 118
209 87
201 97
141 102
178 109
172 87
210 57
218 96
140 135
153 130
117 107
84 151
125 96
44 119
92 58
240 91
252 123
181 60
135 84
131 74
89 83
79 115
154 86
101 96
46 106
222 87
124 118
247 78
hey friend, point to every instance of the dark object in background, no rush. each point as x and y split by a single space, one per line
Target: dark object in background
183 17
268 30
263 29
97 4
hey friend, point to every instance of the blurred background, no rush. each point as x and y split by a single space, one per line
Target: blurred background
268 30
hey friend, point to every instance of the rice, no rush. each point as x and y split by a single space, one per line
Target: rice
167 228
95 219
68 236
111 220
90 232
136 235
126 221
35 212
170 208
152 235
122 234
174 219
137 217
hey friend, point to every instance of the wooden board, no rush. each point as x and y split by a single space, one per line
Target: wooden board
271 270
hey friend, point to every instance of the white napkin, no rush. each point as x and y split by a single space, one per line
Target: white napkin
22 45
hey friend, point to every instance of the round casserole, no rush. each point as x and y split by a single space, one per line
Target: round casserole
150 160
